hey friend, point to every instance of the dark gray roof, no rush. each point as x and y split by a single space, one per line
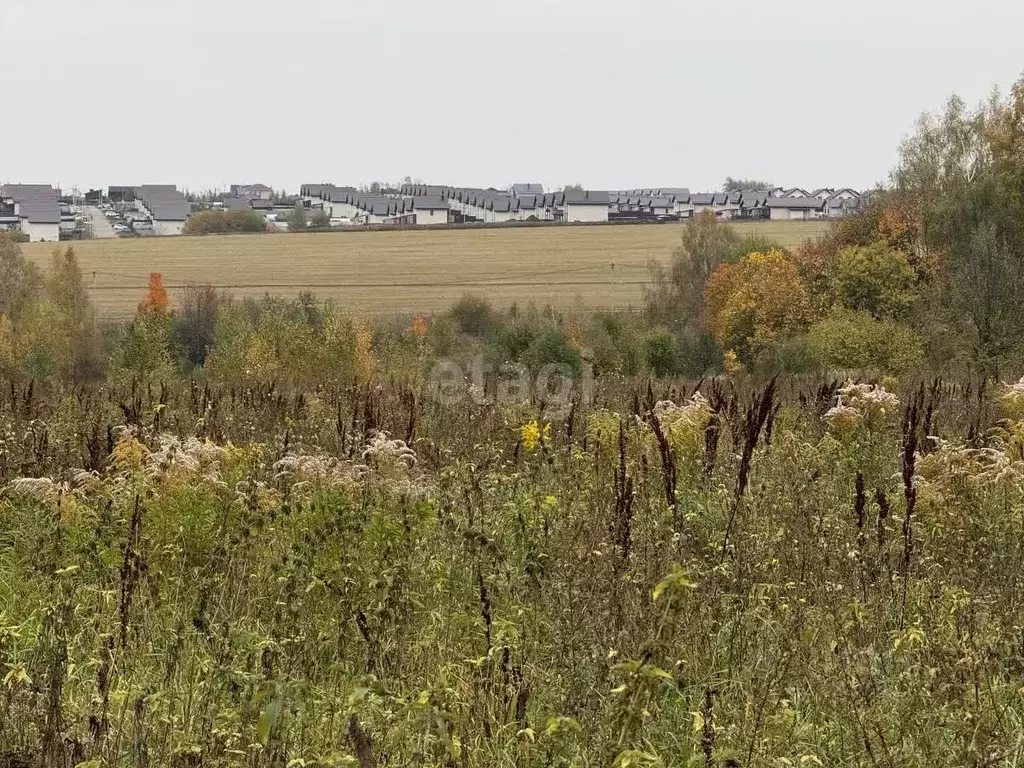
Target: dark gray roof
237 204
502 204
164 202
586 197
39 203
527 189
429 204
795 203
702 199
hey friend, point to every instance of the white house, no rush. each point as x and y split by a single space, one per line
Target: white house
788 208
528 206
37 209
165 205
430 210
501 209
586 206
703 202
845 194
839 205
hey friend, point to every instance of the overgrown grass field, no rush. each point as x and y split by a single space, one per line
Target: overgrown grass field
783 573
410 271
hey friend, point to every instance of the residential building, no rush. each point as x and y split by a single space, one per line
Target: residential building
165 205
586 206
36 208
704 201
252 191
519 190
787 208
430 210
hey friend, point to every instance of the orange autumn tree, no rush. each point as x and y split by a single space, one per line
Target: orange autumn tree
755 302
156 301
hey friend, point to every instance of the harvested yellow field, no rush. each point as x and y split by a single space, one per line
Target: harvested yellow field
402 271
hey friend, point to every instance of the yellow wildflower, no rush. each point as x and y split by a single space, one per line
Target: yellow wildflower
731 362
531 435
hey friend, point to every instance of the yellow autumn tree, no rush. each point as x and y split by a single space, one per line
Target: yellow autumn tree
755 302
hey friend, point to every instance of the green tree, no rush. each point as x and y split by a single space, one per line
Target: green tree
297 219
874 279
735 185
676 299
66 291
143 352
20 279
320 220
961 174
660 352
195 321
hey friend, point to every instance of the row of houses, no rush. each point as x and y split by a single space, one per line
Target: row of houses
775 203
40 212
165 206
522 202
36 210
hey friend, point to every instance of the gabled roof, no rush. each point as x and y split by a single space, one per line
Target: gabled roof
430 204
796 203
795 192
164 202
703 199
824 192
527 189
502 205
586 197
38 203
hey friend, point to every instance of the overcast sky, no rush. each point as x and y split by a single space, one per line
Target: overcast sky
204 93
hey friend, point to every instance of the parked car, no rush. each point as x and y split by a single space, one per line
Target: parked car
121 228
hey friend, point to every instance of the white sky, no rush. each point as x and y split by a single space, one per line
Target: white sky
205 93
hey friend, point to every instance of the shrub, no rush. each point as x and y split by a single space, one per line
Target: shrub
225 222
660 352
850 339
474 315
